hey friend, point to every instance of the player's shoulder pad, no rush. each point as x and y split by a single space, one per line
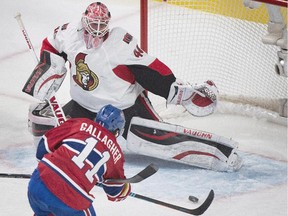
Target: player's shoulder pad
67 28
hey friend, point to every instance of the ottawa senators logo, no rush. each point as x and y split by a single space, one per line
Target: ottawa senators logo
84 77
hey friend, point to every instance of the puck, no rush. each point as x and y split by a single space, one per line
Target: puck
193 199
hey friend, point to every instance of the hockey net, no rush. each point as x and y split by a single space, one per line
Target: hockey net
220 40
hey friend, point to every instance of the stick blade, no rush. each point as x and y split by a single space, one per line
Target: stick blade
204 206
145 173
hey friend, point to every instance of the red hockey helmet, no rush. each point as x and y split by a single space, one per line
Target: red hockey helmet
95 19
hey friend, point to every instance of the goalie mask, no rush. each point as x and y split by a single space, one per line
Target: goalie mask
95 21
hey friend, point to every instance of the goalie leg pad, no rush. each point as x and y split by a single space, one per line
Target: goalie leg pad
176 143
40 120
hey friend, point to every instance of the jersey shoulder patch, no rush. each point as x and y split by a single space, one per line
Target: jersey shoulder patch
119 34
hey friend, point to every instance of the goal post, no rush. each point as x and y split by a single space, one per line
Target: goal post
237 44
282 3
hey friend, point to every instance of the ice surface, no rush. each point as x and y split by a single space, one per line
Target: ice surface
258 189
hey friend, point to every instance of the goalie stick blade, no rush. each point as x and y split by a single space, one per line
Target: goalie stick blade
145 173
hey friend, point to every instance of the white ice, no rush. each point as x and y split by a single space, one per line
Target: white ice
258 189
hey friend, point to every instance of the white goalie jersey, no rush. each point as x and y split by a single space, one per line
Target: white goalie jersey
99 76
116 73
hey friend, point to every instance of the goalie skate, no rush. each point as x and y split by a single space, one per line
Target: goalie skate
40 119
235 162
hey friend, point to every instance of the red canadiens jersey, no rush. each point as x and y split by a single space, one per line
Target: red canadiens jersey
99 76
77 155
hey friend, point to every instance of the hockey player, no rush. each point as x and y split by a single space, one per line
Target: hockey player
108 67
73 158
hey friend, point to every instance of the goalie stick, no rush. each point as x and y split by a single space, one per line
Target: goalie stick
145 173
55 107
26 37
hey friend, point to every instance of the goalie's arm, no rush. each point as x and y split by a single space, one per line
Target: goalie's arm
199 100
53 43
155 81
47 46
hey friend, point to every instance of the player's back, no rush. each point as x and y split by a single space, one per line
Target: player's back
83 153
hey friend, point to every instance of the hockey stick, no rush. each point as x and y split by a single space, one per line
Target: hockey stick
15 175
145 173
55 107
197 211
27 38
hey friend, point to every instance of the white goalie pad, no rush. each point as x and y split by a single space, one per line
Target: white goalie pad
184 145
40 120
47 76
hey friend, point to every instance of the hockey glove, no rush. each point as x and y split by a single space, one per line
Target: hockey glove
198 100
47 76
116 192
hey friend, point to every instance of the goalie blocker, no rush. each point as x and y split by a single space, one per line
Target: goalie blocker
43 82
184 145
47 76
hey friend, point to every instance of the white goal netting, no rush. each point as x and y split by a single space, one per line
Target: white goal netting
219 40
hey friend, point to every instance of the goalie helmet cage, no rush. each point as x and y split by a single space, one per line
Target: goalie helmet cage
220 40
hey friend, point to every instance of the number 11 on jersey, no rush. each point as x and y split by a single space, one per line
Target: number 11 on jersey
83 155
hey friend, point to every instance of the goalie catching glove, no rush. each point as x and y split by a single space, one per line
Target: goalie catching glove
198 100
47 76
